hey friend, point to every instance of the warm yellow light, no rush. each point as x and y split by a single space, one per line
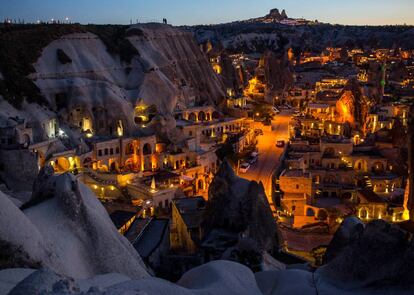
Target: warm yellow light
406 215
217 69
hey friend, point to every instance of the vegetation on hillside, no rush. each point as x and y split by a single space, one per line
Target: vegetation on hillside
22 45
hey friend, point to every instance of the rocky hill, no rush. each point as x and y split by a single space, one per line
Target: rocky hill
65 67
274 16
270 32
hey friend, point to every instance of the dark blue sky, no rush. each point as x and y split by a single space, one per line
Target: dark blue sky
180 12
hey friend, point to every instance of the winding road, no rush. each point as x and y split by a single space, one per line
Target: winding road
269 154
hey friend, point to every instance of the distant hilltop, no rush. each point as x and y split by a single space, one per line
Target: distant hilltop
275 16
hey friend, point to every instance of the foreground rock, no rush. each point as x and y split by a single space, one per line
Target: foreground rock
63 242
379 256
240 207
66 229
219 277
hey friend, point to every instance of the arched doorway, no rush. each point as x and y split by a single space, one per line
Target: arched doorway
62 164
147 150
113 167
201 116
361 165
192 117
200 184
363 213
357 139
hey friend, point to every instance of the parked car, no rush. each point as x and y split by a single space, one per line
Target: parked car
275 110
244 167
280 143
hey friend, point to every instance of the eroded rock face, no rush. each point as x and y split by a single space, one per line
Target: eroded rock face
353 106
377 256
217 277
45 282
278 72
165 68
276 15
240 206
350 230
65 228
230 75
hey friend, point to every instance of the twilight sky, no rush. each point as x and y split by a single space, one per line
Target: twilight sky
179 12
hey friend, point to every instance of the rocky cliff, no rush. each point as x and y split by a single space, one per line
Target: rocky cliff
354 104
240 207
93 68
66 229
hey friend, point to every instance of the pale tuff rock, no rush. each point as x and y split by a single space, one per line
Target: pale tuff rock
218 277
65 228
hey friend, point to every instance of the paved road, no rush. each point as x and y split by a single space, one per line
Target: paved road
269 154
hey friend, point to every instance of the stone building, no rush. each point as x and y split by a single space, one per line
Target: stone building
185 231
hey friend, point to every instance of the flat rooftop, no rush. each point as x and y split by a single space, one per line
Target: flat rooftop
295 173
